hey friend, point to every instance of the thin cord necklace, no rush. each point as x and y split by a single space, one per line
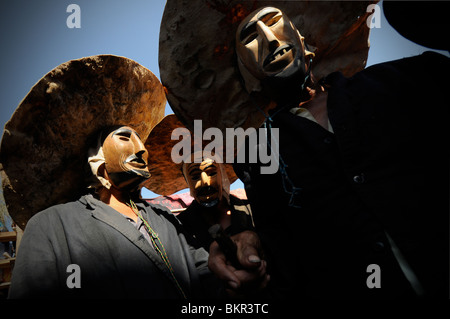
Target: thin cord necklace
155 239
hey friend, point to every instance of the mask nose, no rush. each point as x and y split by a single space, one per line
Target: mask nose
205 179
139 146
268 36
140 154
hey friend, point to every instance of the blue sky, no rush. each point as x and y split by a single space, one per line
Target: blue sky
34 39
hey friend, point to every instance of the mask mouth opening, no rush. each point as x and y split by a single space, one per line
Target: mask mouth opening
207 190
136 160
278 54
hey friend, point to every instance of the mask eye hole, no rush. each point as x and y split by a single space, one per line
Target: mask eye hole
211 170
195 175
273 20
123 134
250 38
212 173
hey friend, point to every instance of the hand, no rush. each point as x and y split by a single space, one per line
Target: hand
251 276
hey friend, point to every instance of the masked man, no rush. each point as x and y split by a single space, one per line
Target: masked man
213 204
209 182
207 178
107 243
358 207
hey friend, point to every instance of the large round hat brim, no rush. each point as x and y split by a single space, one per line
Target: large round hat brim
423 22
44 145
197 53
166 176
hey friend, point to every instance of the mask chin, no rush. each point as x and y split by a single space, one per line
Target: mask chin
129 180
210 204
285 85
285 81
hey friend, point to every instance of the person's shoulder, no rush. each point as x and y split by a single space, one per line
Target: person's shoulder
157 208
191 217
51 215
407 74
425 56
162 212
415 68
238 201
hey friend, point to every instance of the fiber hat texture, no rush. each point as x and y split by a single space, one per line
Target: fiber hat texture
166 175
44 147
197 58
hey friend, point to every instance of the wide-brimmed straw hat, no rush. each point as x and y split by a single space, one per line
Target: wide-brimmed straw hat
198 62
44 146
166 175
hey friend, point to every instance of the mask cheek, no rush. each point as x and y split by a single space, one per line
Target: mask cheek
118 173
110 163
194 188
245 55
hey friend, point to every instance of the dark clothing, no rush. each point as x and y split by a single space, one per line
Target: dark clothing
384 170
115 259
197 227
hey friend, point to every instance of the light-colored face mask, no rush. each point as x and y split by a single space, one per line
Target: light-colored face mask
268 45
126 158
205 181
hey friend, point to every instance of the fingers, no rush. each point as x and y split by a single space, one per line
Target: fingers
251 275
249 249
217 263
251 281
